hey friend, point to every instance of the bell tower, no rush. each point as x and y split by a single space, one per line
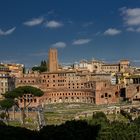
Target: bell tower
52 60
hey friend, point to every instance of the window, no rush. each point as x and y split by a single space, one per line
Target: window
1 84
116 94
35 100
105 94
138 89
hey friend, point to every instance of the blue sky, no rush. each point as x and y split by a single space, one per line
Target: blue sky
81 29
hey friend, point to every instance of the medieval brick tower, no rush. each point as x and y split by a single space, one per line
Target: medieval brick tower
52 60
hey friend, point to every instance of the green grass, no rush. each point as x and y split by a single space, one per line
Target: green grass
59 113
15 123
118 117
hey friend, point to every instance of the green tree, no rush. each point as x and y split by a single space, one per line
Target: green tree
24 70
42 67
99 115
137 121
12 98
6 104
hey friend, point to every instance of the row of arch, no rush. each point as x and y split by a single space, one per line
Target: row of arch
69 97
71 94
69 100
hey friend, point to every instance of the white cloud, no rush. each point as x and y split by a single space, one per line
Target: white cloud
8 61
136 61
8 32
87 24
112 32
53 24
81 41
131 16
51 12
98 33
34 21
138 29
70 21
131 29
59 45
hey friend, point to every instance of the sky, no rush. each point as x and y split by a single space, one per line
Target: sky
107 30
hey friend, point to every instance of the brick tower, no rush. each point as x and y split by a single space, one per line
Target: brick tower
52 60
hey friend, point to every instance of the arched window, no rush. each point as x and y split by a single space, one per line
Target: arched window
35 100
21 100
116 94
138 89
106 94
102 96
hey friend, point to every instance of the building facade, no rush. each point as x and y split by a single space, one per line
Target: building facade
7 83
88 82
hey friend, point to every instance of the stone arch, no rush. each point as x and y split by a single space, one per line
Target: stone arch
66 99
117 94
55 100
60 99
50 100
77 99
102 96
138 88
72 99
